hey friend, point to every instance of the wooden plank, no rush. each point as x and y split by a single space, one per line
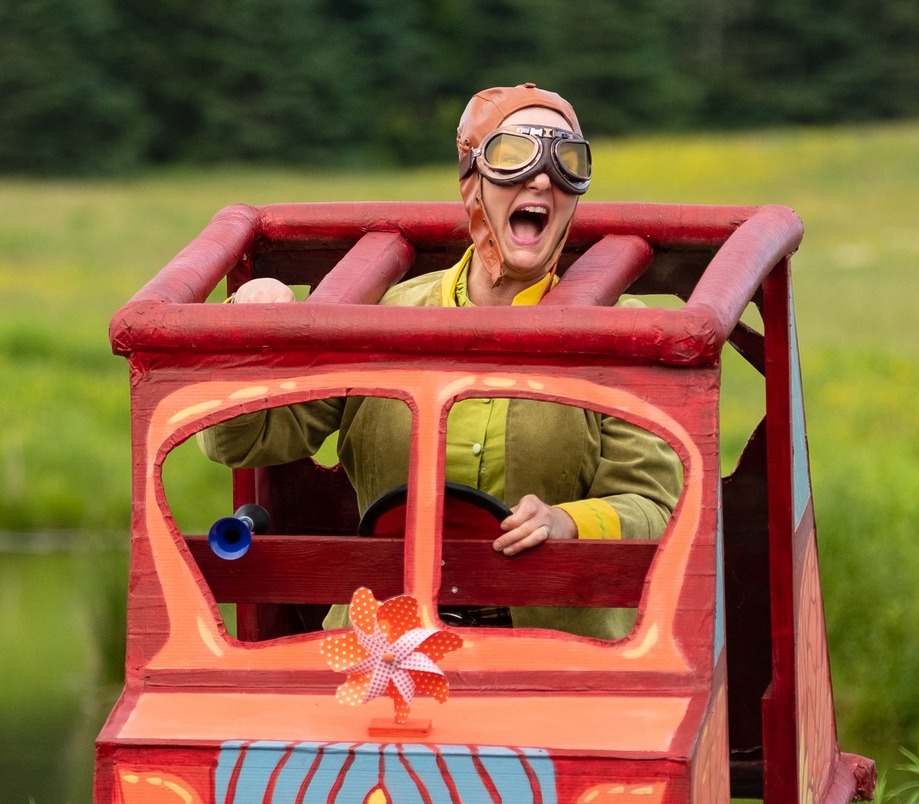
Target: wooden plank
327 569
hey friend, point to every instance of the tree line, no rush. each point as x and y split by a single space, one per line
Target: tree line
110 86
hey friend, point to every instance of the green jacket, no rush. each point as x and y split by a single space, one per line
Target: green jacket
558 452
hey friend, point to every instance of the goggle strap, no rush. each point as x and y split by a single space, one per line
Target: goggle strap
467 163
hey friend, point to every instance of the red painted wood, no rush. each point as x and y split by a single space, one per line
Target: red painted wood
289 491
249 620
603 273
387 727
256 622
440 224
747 604
749 344
376 262
327 569
667 336
690 335
780 743
244 485
742 263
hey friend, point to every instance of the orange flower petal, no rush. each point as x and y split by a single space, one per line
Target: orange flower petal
437 646
403 709
353 691
363 610
397 616
431 685
342 651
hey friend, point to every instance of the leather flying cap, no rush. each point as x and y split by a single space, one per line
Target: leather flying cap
484 113
488 108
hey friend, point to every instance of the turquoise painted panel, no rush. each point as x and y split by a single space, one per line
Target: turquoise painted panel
278 772
800 463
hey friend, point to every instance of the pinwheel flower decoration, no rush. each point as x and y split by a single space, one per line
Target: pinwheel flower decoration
389 652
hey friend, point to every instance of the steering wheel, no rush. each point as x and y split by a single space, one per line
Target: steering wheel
468 513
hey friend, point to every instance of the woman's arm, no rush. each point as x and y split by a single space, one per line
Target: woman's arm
272 436
631 491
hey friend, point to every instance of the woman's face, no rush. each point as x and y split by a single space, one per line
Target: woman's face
529 218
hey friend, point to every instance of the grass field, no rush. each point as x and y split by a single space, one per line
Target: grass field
72 252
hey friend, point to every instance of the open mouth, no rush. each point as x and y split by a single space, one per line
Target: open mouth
528 223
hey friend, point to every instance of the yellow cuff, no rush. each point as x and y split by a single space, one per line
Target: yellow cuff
595 519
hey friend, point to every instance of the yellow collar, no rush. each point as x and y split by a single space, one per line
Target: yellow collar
455 292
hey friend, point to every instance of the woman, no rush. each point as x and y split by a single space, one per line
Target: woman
567 473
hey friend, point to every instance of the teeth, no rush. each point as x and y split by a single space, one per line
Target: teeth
534 210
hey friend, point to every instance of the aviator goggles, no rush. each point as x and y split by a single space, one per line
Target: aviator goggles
514 154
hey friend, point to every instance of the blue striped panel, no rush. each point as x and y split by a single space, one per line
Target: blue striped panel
506 768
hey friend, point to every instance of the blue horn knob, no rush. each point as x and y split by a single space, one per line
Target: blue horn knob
231 536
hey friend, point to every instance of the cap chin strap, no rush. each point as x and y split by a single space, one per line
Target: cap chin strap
485 241
480 228
486 244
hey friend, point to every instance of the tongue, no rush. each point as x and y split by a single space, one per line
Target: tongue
525 227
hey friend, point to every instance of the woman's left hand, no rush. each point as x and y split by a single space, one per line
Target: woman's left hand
532 522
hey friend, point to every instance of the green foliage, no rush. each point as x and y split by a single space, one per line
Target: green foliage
911 785
63 109
865 462
97 87
907 792
42 693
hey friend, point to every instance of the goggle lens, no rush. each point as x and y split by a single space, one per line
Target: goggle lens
507 151
574 157
512 156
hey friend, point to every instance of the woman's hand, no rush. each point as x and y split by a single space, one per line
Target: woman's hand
263 290
532 522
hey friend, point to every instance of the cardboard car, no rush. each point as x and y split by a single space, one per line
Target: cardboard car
721 688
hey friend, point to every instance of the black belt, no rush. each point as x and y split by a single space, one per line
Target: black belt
492 617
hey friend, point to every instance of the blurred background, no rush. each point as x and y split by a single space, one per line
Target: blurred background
125 125
104 87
